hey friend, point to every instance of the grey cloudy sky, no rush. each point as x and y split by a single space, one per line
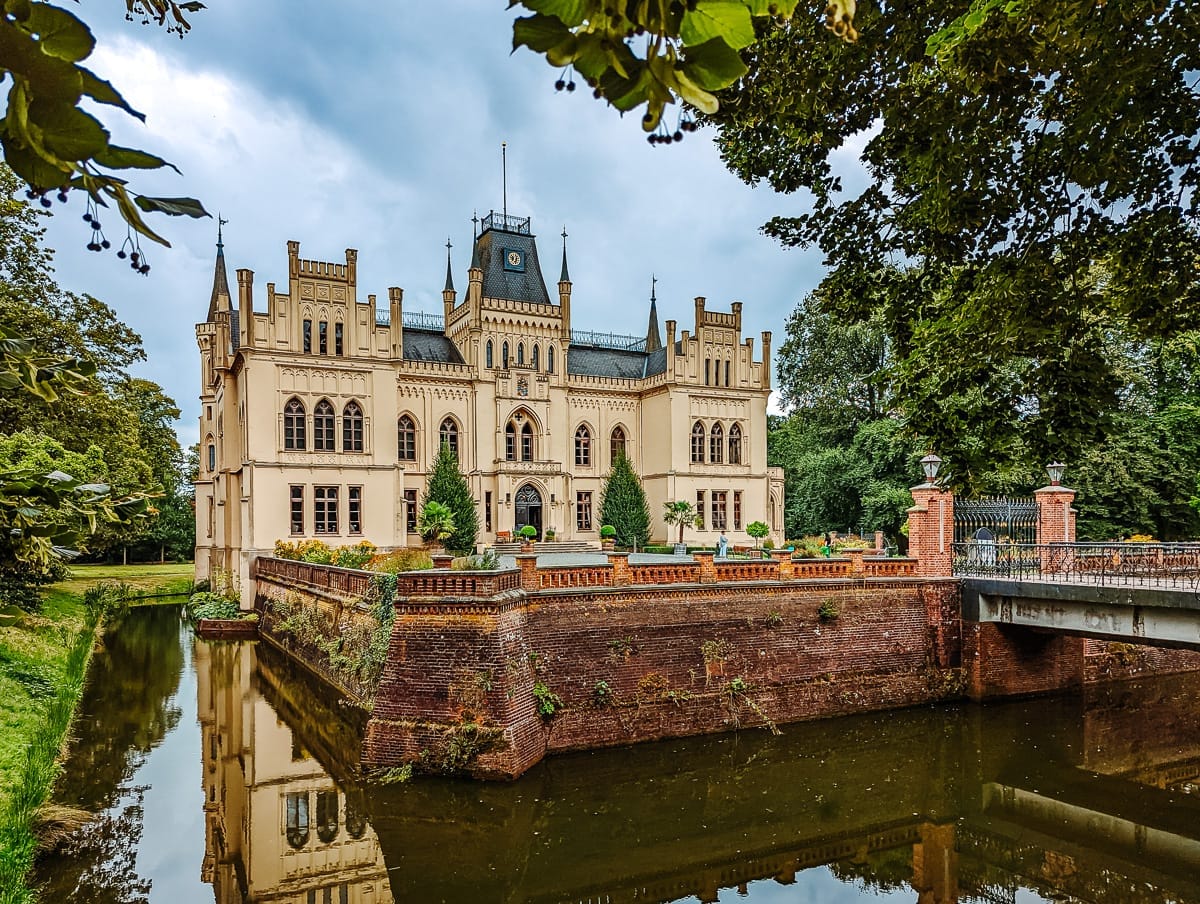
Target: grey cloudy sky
377 126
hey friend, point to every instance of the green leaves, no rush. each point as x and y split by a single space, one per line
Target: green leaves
653 53
48 141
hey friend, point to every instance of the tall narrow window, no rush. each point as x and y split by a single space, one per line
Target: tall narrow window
354 510
510 442
504 356
700 509
212 455
308 337
297 509
583 447
487 511
737 509
536 356
719 509
338 346
698 436
727 373
406 439
325 510
352 428
297 818
327 815
617 444
448 436
212 517
583 511
293 425
527 442
323 427
488 354
707 368
716 446
323 334
550 359
735 444
410 510
520 353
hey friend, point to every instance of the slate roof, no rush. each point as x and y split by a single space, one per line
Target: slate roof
429 345
220 284
500 283
235 328
590 361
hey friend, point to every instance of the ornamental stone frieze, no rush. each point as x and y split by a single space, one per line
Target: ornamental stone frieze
544 468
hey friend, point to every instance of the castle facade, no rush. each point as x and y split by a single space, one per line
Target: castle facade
321 413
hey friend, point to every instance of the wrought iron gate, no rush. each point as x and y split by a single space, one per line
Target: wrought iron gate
1002 519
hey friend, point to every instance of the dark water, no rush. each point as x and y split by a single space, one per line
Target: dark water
224 775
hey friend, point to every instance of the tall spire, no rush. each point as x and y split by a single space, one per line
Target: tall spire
564 276
220 300
653 338
449 276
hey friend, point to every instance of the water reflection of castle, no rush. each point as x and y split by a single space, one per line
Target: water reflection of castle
1089 799
277 825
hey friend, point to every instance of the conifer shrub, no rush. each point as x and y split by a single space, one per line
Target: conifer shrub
623 505
448 486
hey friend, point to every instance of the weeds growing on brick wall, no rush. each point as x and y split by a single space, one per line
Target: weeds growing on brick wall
356 649
19 817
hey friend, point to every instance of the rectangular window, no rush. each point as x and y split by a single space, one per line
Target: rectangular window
323 333
487 511
719 509
410 510
212 517
308 337
700 509
354 510
297 510
727 373
707 367
325 510
583 511
737 509
337 345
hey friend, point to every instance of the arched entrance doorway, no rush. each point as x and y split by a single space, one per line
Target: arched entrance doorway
529 508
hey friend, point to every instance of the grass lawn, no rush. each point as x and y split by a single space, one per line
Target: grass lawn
148 580
43 660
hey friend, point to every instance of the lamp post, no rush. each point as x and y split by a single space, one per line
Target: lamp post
930 465
1055 471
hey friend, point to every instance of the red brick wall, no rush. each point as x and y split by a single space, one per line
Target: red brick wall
1012 661
676 660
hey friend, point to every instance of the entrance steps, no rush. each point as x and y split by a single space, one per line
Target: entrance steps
543 549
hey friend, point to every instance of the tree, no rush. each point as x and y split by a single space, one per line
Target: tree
623 505
680 512
436 523
758 530
448 486
1003 163
50 141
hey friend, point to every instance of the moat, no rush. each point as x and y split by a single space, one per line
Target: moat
224 774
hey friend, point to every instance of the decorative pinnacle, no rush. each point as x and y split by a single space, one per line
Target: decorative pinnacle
564 276
653 283
221 221
449 276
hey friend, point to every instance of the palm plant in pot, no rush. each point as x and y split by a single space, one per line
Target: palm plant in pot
682 513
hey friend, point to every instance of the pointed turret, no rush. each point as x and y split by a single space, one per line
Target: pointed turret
221 300
564 291
448 294
653 338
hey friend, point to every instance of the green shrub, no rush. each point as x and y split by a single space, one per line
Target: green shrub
207 604
548 702
528 532
400 560
355 556
828 610
607 532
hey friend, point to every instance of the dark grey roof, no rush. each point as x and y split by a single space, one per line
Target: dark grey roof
426 345
220 284
589 361
489 250
235 328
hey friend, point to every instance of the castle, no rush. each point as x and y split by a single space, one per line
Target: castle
322 414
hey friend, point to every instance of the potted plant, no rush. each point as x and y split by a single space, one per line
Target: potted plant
757 530
549 535
608 535
435 524
528 535
680 512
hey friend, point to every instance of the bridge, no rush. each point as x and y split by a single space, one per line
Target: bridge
1145 593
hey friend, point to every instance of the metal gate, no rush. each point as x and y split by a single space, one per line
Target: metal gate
1002 519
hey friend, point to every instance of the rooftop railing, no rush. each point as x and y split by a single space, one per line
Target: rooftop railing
506 223
412 320
608 340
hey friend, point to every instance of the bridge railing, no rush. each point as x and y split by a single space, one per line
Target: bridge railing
1103 564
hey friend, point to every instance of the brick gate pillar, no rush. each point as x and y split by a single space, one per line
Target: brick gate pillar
1055 521
931 530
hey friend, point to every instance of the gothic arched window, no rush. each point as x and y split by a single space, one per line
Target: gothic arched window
617 443
698 435
536 360
293 425
327 815
510 442
406 439
527 442
504 356
735 445
583 446
489 354
716 446
448 435
520 353
323 427
550 359
352 428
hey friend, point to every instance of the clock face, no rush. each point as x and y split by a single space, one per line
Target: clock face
514 260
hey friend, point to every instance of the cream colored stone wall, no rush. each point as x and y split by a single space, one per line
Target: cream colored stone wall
243 503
